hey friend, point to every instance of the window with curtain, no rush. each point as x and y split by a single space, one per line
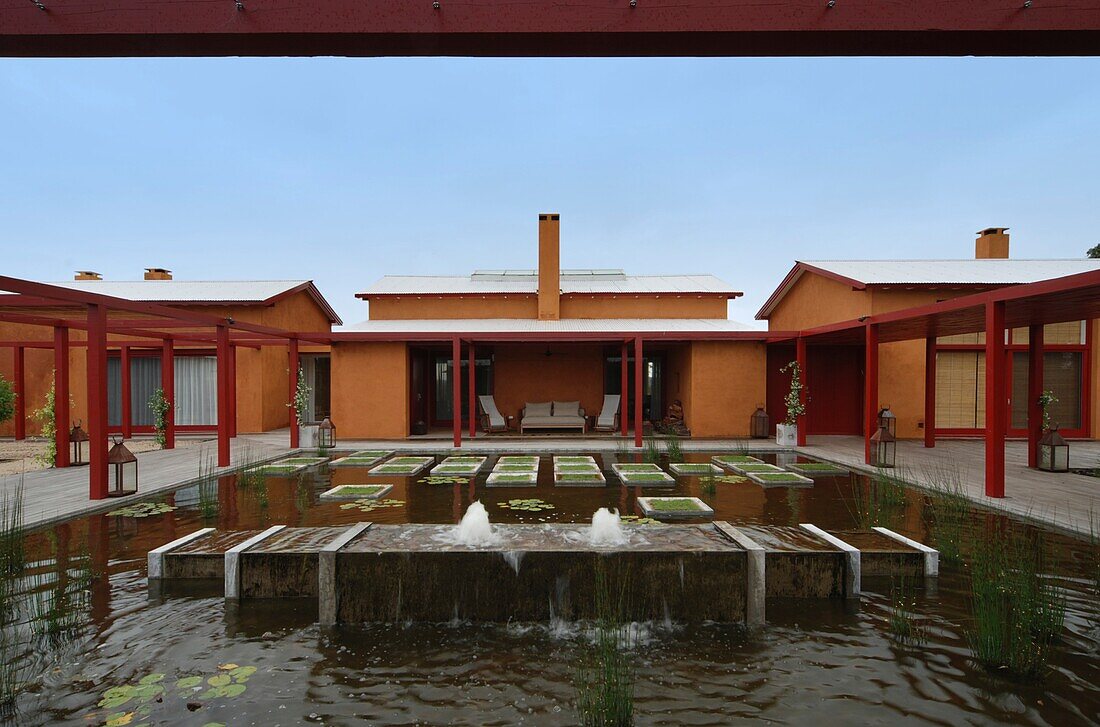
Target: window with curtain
144 380
960 390
196 390
114 392
1062 374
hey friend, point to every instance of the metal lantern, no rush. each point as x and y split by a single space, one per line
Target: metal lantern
883 448
760 424
326 434
887 419
1053 452
77 440
121 471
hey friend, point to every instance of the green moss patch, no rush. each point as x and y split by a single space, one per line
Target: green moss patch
369 492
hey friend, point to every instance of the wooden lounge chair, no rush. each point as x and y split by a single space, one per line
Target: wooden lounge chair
491 418
608 420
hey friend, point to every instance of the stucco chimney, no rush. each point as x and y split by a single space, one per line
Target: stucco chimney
992 242
549 267
87 275
158 274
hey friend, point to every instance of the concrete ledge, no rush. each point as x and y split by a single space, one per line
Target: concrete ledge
931 555
233 559
156 556
852 553
327 602
756 585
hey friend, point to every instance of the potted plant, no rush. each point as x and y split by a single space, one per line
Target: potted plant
786 433
307 432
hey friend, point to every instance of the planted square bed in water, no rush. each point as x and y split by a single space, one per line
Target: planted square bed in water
288 466
584 478
635 467
729 461
530 462
747 467
780 478
363 458
694 468
357 492
403 466
467 466
512 479
817 469
563 460
675 508
645 478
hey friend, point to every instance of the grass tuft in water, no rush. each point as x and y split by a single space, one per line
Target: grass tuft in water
707 485
605 681
876 500
1017 612
651 450
13 556
208 489
947 511
904 624
674 449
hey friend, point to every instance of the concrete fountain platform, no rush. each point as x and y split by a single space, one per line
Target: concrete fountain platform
686 573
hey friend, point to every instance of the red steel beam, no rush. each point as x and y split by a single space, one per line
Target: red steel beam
61 395
870 387
456 390
930 391
293 364
168 386
995 399
124 390
232 389
624 400
800 356
97 402
223 396
471 382
35 320
638 391
1034 391
20 386
507 28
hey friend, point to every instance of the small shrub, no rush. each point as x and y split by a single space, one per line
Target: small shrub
48 425
158 404
7 400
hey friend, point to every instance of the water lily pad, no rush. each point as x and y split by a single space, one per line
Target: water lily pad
119 719
188 682
151 679
143 509
219 680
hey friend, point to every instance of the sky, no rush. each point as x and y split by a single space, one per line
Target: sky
344 170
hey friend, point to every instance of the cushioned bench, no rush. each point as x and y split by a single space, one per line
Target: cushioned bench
552 415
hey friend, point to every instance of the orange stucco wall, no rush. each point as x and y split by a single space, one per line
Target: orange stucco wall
727 382
815 300
663 306
412 307
572 372
571 306
38 368
370 384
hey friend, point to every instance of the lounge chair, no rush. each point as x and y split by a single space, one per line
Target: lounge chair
552 415
608 421
491 418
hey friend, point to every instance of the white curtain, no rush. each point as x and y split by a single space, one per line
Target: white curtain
114 392
196 390
144 380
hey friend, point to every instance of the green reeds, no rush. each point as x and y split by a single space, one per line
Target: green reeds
947 511
904 625
13 556
605 681
1017 612
708 485
876 500
623 450
674 450
208 489
651 450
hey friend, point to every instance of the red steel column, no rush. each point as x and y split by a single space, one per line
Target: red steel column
471 381
223 396
124 388
995 399
97 403
168 386
1034 391
456 390
232 390
293 363
638 392
20 385
870 387
61 395
624 413
800 356
930 391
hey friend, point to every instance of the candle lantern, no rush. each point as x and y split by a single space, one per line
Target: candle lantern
122 471
760 424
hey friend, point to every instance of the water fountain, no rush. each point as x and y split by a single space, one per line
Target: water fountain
474 529
607 529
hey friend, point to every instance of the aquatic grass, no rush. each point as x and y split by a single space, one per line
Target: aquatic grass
708 485
208 488
903 623
13 555
673 504
1017 613
604 682
947 510
674 449
651 450
876 500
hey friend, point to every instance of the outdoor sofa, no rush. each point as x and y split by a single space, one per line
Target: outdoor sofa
552 415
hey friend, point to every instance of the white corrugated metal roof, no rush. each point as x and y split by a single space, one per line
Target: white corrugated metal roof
566 325
526 282
186 291
954 272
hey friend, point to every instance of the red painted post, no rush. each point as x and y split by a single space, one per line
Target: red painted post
995 399
870 387
168 386
638 392
930 391
471 381
232 390
97 403
1034 391
624 400
124 388
800 356
223 396
456 390
61 395
293 363
20 385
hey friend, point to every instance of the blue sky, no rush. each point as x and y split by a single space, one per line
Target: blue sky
342 170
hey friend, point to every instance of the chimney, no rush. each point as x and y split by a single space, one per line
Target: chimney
158 274
87 275
549 268
992 242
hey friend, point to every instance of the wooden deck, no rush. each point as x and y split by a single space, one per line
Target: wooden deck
53 495
1062 501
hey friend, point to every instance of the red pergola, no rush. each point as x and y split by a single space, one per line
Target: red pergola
1031 306
543 28
67 309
